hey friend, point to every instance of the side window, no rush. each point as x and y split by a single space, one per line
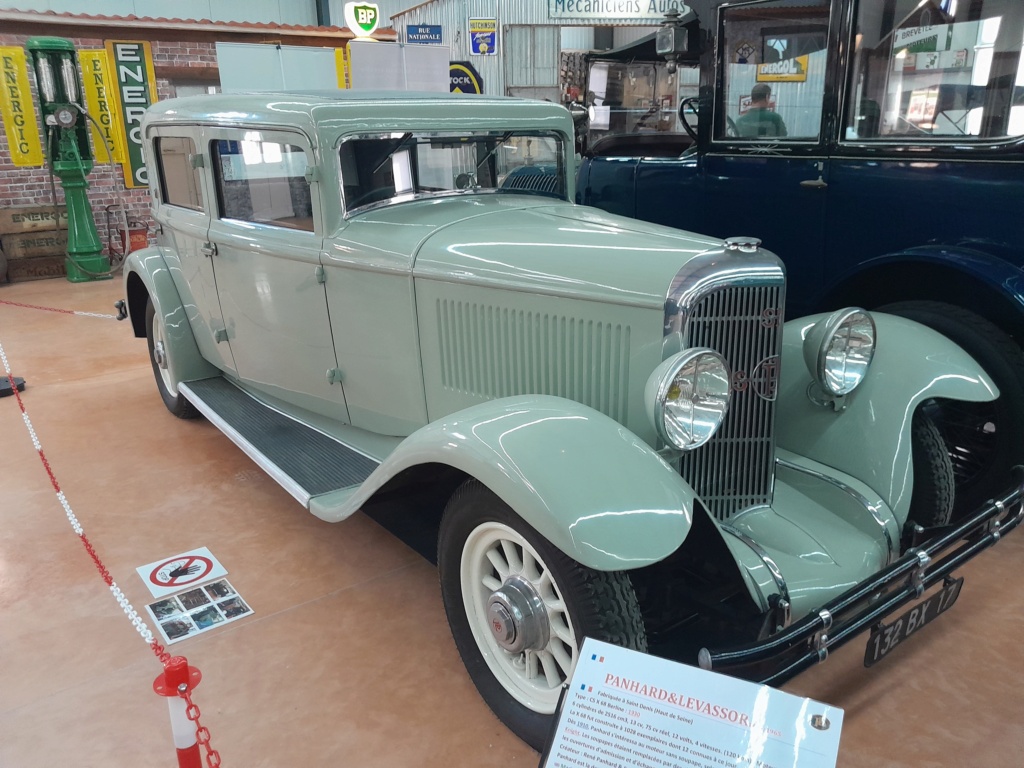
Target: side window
180 183
263 182
773 63
950 70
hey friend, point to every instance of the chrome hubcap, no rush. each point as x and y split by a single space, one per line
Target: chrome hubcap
517 617
159 354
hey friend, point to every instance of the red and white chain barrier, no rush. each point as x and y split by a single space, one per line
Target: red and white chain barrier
182 688
55 309
175 683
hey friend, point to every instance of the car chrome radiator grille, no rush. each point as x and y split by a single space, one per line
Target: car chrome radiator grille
490 352
735 469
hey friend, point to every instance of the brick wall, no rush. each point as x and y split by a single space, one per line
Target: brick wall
31 186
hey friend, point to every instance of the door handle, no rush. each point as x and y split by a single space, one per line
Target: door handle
209 249
818 183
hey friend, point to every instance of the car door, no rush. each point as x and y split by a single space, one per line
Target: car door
184 202
267 238
765 167
931 147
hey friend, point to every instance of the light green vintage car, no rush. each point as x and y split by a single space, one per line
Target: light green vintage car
389 292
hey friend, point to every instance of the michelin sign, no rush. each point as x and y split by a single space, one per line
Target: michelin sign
646 10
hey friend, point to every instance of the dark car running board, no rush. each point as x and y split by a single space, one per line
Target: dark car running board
305 462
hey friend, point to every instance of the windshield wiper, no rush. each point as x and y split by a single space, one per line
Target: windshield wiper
401 144
494 149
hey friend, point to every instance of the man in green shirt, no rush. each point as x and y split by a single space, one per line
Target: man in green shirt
759 121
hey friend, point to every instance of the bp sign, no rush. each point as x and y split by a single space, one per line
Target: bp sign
362 18
464 78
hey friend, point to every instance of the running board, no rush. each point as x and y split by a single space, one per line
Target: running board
305 462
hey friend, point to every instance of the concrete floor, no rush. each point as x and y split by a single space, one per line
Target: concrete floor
347 659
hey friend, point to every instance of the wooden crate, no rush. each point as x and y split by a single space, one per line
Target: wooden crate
30 219
35 268
24 245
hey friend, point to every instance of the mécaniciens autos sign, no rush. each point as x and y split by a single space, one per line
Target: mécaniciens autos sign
652 10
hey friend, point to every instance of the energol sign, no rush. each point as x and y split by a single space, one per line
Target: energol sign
786 71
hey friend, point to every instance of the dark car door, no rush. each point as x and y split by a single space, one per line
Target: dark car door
762 168
931 146
765 170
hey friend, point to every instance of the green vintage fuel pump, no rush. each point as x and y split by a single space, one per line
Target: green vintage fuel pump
67 151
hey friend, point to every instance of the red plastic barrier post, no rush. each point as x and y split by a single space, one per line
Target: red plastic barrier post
177 678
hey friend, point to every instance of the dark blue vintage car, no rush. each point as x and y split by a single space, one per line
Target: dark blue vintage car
878 147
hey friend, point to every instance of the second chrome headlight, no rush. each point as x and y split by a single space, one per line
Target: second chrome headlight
839 349
687 397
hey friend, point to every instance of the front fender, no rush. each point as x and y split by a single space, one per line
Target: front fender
586 483
980 275
146 276
870 438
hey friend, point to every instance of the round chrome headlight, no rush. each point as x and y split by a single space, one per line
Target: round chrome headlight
687 397
838 350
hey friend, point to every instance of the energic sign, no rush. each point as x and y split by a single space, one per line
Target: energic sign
17 109
135 82
101 101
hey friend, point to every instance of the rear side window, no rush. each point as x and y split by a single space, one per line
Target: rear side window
180 183
952 72
263 182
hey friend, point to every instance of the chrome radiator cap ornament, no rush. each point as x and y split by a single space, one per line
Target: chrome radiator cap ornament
742 244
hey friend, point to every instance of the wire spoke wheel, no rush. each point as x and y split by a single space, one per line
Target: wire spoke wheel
982 439
970 431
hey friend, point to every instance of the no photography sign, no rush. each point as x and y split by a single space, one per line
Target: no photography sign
173 574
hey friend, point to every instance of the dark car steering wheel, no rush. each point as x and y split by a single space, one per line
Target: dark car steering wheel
683 106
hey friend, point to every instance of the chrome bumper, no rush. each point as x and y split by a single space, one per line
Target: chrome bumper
782 656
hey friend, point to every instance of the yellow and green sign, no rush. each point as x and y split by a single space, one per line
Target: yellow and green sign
342 68
785 71
18 110
102 104
135 84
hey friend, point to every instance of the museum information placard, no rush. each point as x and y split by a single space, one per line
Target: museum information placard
626 709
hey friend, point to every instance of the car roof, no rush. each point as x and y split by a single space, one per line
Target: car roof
345 111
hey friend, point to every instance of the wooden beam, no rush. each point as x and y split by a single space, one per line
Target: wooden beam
209 74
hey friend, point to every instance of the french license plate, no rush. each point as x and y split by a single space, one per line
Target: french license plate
885 637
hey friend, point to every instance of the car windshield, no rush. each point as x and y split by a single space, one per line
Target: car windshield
399 166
